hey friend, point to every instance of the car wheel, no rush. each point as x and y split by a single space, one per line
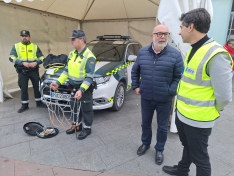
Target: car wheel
119 97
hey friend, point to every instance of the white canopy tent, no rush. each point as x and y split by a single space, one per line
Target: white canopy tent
51 22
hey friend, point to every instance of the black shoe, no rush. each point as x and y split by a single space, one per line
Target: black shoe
142 149
84 134
173 171
74 129
159 158
23 108
41 105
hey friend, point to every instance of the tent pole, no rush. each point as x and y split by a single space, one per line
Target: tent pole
86 14
154 2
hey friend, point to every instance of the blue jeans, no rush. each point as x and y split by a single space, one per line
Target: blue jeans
163 114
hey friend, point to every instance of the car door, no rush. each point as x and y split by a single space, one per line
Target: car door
132 49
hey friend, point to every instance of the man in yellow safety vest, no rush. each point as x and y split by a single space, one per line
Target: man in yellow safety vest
205 88
79 70
27 57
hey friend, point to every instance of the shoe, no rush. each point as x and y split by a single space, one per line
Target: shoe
173 171
159 158
23 108
74 129
41 105
84 134
142 149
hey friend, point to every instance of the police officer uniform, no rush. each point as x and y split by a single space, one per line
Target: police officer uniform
27 52
79 70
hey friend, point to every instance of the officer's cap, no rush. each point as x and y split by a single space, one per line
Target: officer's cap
77 34
24 32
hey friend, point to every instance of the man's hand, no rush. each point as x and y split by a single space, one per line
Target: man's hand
26 64
54 86
33 64
137 90
78 95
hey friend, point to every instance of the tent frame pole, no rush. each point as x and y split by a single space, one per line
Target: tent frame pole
81 22
154 2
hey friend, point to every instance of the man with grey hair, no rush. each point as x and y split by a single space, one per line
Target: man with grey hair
79 70
155 76
205 88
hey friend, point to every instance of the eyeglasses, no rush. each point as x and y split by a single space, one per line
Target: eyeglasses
24 36
160 34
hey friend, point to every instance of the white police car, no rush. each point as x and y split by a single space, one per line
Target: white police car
115 57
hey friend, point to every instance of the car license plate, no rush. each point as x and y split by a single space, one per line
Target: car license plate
60 96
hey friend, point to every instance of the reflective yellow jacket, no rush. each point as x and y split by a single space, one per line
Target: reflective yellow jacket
80 69
195 98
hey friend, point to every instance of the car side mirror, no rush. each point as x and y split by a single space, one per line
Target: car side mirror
132 58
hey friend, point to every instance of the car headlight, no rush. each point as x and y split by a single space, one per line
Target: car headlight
102 80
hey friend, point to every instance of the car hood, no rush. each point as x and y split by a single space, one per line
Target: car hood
103 67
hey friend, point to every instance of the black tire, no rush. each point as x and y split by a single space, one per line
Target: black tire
119 97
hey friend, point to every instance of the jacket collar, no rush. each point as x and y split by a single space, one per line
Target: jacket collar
26 43
81 53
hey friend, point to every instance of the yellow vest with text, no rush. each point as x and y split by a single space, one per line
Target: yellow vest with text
77 66
195 94
26 52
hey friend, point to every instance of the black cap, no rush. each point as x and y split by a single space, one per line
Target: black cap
24 32
77 34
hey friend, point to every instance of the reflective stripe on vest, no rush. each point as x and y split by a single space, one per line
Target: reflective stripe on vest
26 52
195 99
199 80
76 65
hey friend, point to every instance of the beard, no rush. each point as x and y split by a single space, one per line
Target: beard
160 44
25 40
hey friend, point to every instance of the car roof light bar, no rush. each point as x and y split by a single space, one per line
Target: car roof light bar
103 37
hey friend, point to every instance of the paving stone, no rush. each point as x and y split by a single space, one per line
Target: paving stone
141 165
231 173
91 161
63 172
40 145
13 139
108 174
18 151
117 154
7 167
110 149
6 130
2 113
219 167
53 157
224 152
82 147
28 169
45 173
225 125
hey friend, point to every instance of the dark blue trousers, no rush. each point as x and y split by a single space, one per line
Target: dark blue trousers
163 114
195 142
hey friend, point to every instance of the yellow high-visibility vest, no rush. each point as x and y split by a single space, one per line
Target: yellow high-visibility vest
26 52
195 95
76 67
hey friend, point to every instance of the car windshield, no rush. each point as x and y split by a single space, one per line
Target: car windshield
105 51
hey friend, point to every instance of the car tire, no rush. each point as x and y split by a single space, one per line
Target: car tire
119 97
